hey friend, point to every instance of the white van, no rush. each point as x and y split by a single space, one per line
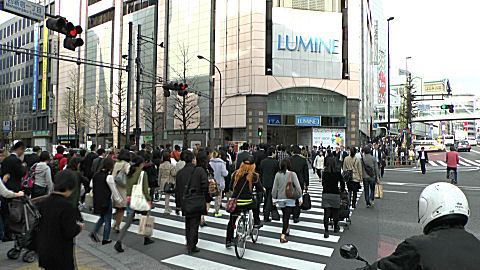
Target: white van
472 141
449 140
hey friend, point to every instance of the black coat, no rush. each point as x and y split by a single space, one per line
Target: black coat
258 156
101 193
86 166
31 159
13 165
420 157
58 227
199 184
444 248
299 165
181 181
268 169
97 164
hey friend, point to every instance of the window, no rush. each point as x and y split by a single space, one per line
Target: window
23 39
16 28
31 35
28 39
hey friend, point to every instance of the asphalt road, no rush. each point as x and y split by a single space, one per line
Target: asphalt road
376 231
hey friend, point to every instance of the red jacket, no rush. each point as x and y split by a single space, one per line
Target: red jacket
62 162
452 159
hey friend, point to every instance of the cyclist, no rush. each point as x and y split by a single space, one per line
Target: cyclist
443 212
242 183
452 161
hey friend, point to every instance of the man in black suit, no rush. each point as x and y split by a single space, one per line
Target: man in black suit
378 155
299 165
13 165
242 155
268 169
259 155
423 156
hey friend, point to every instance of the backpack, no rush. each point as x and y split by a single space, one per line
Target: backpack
55 166
29 180
121 178
368 169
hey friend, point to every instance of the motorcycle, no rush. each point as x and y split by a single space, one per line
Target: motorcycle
350 252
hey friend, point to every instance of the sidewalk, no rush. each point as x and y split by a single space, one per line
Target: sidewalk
89 256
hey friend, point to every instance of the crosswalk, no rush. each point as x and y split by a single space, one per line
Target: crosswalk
463 162
306 249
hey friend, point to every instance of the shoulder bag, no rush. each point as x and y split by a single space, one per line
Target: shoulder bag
121 178
193 202
138 201
232 203
291 191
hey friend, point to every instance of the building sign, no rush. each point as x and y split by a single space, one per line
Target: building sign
308 121
328 137
7 126
306 43
433 87
41 133
36 37
382 81
274 119
45 65
24 8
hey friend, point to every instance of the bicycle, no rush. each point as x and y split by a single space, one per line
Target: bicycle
244 227
451 177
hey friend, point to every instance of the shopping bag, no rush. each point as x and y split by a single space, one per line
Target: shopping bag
307 202
88 201
138 201
117 198
379 191
146 225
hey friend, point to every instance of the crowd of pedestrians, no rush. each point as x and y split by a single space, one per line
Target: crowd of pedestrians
126 182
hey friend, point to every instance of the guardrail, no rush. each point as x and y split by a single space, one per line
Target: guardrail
399 162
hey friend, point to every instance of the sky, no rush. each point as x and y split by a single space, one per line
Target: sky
440 36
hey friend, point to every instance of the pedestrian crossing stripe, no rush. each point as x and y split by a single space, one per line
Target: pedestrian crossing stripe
309 249
463 162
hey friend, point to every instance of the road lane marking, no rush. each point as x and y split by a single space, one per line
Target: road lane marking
464 163
191 262
432 163
469 161
394 191
253 255
442 163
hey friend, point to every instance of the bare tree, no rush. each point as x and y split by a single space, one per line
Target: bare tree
74 110
185 109
97 119
118 112
152 111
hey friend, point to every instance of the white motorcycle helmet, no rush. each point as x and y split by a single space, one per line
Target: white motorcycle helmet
439 200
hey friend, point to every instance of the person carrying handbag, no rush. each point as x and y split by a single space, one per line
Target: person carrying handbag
166 177
136 176
282 195
119 173
353 164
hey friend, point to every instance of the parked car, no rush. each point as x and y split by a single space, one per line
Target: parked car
472 141
463 146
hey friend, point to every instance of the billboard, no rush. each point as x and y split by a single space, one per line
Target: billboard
36 36
328 137
433 87
45 66
382 81
306 43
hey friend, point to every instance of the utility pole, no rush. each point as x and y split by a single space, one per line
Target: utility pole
129 80
409 108
137 104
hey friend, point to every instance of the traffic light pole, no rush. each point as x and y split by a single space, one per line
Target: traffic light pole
137 104
409 109
129 80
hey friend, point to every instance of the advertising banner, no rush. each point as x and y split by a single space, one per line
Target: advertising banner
433 88
36 37
328 137
306 43
382 81
45 66
308 121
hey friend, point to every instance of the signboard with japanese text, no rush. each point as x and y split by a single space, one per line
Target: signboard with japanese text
433 87
24 8
45 66
382 81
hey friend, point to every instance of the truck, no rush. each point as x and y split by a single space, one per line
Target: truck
460 135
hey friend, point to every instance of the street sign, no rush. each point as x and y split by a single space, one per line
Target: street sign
375 125
424 107
7 126
24 8
444 131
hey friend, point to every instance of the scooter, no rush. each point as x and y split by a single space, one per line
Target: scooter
350 252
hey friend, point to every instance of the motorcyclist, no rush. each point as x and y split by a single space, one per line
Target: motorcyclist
443 212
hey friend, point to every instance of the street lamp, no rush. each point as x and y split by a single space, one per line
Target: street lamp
388 53
213 100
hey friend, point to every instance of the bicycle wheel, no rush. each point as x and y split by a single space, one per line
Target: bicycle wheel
254 234
241 237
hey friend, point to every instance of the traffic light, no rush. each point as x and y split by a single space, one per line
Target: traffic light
260 132
61 25
448 107
181 88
